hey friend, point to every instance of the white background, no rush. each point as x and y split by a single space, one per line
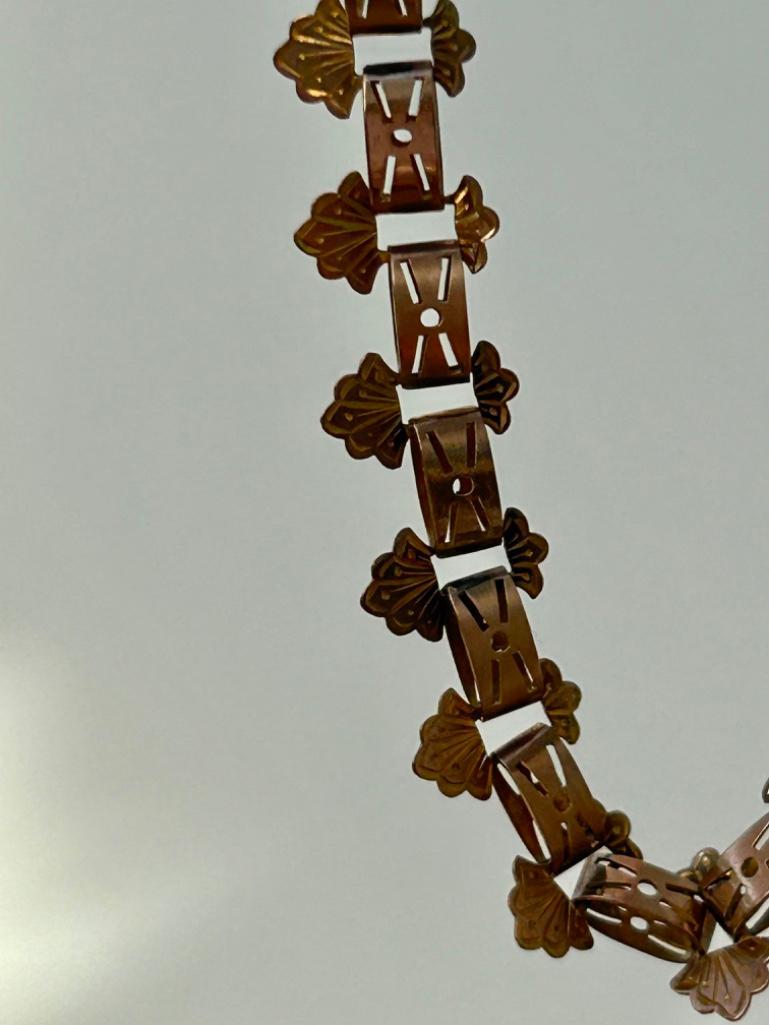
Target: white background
207 810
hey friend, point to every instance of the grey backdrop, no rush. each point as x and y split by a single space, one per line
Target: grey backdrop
207 811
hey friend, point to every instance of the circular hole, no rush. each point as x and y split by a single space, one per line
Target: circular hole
430 318
402 136
463 486
499 642
639 924
647 888
749 867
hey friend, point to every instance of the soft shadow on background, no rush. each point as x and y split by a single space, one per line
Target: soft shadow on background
207 810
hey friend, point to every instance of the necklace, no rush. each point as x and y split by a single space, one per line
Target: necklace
668 914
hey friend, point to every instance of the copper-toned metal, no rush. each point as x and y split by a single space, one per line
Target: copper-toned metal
451 47
571 822
456 481
492 643
726 980
561 699
366 413
452 751
403 144
525 550
645 907
494 386
341 235
319 57
545 918
736 884
404 589
384 15
429 305
475 223
765 793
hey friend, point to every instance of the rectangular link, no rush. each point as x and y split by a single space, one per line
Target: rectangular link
384 16
548 805
737 886
492 643
403 145
456 481
644 906
429 304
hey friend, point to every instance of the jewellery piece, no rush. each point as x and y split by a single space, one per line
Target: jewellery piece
366 413
451 46
494 386
492 644
384 15
319 56
525 551
404 589
545 918
432 334
561 700
726 980
452 751
475 223
341 235
645 907
405 167
736 883
456 481
565 814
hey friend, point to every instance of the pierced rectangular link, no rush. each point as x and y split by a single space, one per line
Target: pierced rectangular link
429 304
403 146
548 801
492 643
384 16
456 481
737 886
645 907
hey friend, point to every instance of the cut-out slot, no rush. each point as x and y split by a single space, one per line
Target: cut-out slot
679 951
387 188
384 103
472 608
448 352
419 164
411 283
416 98
443 286
418 355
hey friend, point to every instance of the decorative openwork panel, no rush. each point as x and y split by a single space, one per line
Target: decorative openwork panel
432 334
456 481
643 906
384 15
737 886
492 643
405 166
534 793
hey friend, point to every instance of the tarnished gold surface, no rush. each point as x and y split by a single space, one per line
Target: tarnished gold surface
525 552
726 980
451 47
494 386
319 57
404 589
341 235
366 413
452 752
561 700
545 918
475 223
